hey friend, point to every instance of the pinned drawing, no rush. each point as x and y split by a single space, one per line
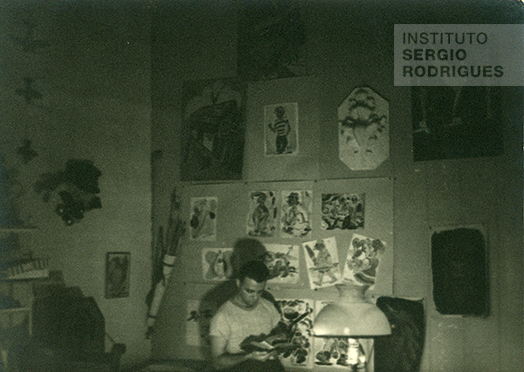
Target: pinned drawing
363 119
342 211
216 263
298 315
283 263
322 263
363 260
281 129
203 218
296 213
262 214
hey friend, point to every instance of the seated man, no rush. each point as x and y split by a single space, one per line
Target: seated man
245 314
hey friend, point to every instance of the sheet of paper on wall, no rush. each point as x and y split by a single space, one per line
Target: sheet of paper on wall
363 260
203 218
322 263
216 263
297 206
342 211
262 214
283 263
198 318
281 129
301 335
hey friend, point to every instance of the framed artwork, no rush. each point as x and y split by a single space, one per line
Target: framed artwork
203 218
117 274
451 122
342 211
213 129
271 40
281 129
363 120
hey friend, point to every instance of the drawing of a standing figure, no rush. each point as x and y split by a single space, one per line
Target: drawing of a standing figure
295 219
282 128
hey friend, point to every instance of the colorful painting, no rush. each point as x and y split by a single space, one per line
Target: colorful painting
363 259
363 119
203 218
281 129
283 263
262 214
322 262
298 315
216 263
213 129
296 210
342 211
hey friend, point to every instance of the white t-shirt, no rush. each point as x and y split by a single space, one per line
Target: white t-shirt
235 324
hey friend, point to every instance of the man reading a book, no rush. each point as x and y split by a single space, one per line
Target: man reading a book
245 314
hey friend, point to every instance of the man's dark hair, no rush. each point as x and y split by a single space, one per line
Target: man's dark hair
255 269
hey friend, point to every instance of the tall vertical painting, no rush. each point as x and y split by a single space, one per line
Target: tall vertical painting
213 130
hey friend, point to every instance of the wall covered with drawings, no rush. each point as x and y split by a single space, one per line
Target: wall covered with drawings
351 219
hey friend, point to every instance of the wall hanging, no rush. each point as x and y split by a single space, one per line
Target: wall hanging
77 188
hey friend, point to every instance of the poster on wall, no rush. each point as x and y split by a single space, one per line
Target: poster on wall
297 206
283 263
203 218
363 119
262 214
342 211
216 263
452 122
197 320
363 260
322 263
298 315
281 129
213 129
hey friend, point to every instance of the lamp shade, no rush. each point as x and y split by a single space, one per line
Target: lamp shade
351 316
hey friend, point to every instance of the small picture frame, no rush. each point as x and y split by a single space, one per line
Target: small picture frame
117 274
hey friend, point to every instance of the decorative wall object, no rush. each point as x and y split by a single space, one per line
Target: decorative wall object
456 122
117 274
292 309
272 40
262 214
283 263
363 260
342 211
203 218
281 129
297 206
363 120
460 270
322 262
216 263
213 130
77 188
